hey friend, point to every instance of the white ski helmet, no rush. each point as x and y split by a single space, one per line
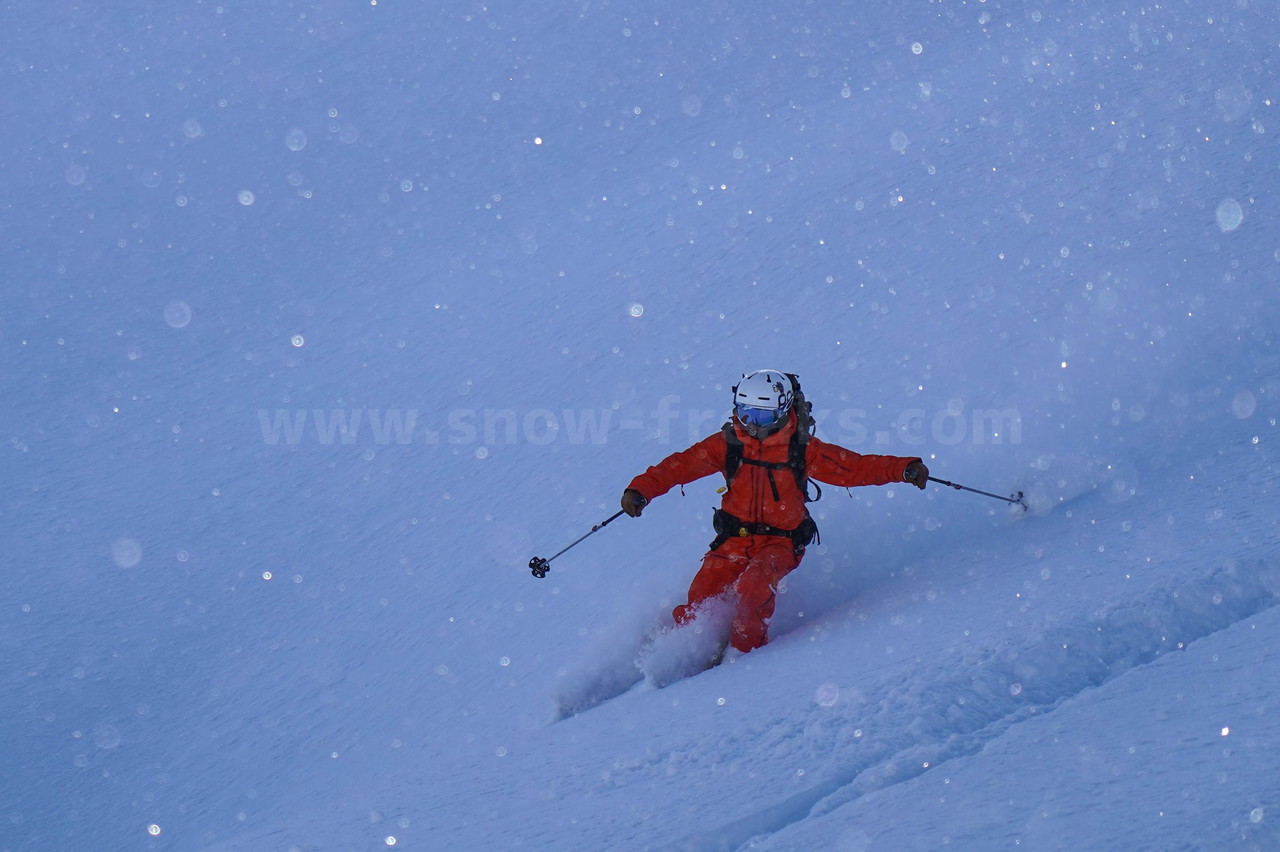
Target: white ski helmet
768 390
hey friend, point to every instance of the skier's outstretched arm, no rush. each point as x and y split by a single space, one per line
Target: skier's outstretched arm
835 465
702 459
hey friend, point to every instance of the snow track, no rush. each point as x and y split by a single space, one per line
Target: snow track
929 721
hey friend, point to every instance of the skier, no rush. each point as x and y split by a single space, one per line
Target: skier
767 455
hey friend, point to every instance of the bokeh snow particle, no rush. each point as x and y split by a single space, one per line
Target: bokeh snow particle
126 553
297 341
295 139
1230 215
637 310
1233 101
1243 405
177 313
106 736
899 141
245 197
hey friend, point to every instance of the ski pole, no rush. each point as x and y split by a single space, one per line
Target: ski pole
1016 499
540 566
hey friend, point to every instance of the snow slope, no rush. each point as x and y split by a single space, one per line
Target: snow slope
321 319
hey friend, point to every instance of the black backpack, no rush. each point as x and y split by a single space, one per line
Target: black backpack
733 459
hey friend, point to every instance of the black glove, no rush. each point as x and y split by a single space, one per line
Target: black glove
633 502
917 474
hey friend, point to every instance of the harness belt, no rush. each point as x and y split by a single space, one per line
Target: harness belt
727 527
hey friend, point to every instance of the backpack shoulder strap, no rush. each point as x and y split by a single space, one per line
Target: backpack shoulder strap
795 456
732 452
796 450
799 445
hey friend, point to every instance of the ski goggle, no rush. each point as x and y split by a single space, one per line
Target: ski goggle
757 416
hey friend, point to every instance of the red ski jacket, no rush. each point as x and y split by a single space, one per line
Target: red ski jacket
750 496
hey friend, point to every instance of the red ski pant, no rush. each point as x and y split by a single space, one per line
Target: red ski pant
751 567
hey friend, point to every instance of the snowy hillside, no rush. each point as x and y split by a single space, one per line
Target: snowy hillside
321 319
